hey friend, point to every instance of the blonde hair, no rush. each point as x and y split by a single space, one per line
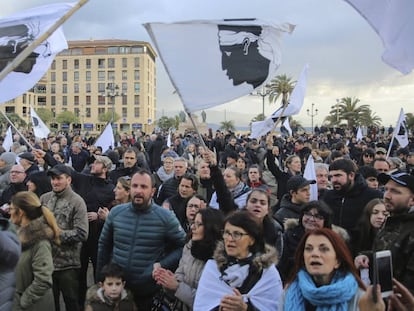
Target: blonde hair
29 202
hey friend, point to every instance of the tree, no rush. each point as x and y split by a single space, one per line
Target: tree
369 118
45 114
67 117
349 110
164 123
107 117
14 118
281 87
227 125
259 117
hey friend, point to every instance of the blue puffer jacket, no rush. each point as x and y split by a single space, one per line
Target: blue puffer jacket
137 239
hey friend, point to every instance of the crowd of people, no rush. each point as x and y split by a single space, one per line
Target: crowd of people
211 222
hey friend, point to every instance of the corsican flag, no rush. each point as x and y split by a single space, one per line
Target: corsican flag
401 132
8 140
310 174
359 134
106 140
39 127
16 33
393 21
214 62
286 125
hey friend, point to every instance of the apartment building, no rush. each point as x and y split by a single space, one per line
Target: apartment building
96 77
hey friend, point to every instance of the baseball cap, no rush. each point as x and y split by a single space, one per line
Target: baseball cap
106 161
381 150
403 179
60 169
297 182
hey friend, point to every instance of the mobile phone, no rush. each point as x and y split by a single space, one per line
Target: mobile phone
383 270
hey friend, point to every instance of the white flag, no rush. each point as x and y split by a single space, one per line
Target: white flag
310 174
296 98
393 21
286 124
8 140
17 32
39 127
106 139
401 133
169 138
261 128
213 62
359 134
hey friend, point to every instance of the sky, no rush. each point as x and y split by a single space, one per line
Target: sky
342 50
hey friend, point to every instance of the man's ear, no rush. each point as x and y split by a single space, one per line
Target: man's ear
100 284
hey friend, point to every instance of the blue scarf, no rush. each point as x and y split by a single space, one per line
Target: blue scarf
332 297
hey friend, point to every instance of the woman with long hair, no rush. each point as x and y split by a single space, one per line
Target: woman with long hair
39 183
37 227
122 195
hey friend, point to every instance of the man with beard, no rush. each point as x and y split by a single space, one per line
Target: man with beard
397 235
349 195
141 236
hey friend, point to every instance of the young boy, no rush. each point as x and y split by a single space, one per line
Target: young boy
110 294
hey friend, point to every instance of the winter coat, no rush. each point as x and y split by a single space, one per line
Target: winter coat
136 239
167 189
35 267
347 207
188 274
96 301
287 210
70 213
9 256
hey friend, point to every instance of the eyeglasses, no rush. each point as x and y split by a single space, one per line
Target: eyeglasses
368 155
16 172
195 206
315 216
236 235
197 224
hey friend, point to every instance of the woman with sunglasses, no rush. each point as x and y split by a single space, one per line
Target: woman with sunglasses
314 215
242 275
206 231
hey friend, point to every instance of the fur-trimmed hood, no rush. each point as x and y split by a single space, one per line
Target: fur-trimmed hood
37 230
261 261
95 294
291 223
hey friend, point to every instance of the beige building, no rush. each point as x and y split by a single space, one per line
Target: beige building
96 77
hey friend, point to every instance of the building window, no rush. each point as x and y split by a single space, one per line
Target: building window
124 87
111 62
53 66
88 112
64 100
136 100
88 87
65 76
64 88
76 100
53 76
124 100
124 112
88 63
136 62
136 112
101 75
76 76
77 112
124 75
53 100
53 88
76 87
136 87
88 76
88 100
101 87
101 100
136 75
124 62
111 75
101 63
101 111
76 63
64 64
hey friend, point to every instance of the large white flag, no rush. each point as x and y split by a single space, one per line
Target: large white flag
310 174
401 132
296 99
359 135
106 140
213 62
8 140
393 21
39 127
286 125
16 33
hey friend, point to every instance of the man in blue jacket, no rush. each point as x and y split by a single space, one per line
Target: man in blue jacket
141 236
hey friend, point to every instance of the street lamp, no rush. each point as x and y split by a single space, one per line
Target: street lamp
264 91
112 91
312 113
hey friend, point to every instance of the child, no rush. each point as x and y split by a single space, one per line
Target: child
110 294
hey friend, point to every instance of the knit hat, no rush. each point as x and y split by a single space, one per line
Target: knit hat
8 157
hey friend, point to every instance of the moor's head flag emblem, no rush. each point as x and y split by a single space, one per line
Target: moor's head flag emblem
243 54
35 121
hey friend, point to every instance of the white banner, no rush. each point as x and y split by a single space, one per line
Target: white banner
39 127
106 139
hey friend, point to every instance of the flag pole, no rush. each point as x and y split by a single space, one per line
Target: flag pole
196 129
15 128
32 46
279 118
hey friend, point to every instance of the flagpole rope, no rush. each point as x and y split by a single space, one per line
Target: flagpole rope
32 46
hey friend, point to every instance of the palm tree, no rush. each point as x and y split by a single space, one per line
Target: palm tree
347 109
227 125
281 87
369 118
